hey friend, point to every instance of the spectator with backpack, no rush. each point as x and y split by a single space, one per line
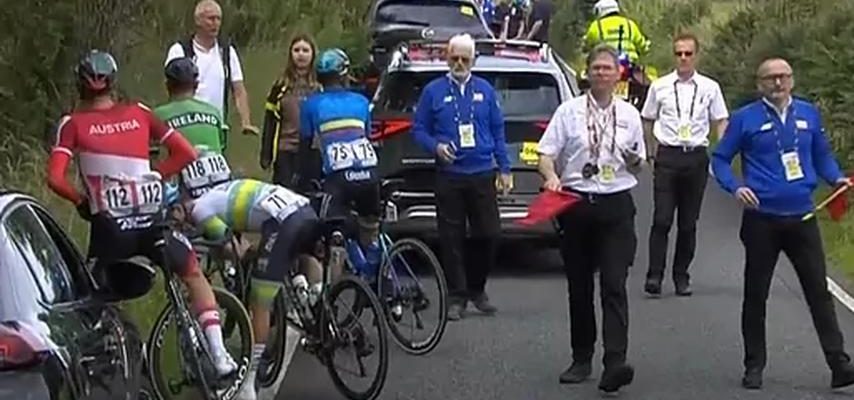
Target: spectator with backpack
219 66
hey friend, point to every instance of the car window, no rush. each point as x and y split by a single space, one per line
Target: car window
521 94
46 263
431 14
69 252
570 77
19 293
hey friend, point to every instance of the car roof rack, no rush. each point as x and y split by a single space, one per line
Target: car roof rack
426 50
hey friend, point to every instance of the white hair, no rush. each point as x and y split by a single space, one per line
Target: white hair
463 41
206 5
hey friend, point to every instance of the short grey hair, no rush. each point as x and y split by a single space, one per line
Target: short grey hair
603 49
204 6
463 41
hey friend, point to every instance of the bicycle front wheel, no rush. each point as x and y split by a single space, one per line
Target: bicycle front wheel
413 292
354 331
173 365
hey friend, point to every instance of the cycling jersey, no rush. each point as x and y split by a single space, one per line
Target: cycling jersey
199 122
339 119
112 146
288 226
124 196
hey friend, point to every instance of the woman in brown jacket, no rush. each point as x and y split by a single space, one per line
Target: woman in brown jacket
280 139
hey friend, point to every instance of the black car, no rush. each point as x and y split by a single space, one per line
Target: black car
531 81
61 335
393 22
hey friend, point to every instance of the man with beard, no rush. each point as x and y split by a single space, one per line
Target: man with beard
460 121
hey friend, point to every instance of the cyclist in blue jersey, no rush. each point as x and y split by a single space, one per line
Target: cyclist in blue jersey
340 119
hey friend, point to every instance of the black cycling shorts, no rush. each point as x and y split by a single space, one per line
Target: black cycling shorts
108 243
282 242
343 195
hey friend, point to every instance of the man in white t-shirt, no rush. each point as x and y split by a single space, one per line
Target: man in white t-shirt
207 51
686 106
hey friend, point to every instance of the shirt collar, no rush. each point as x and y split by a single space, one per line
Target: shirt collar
692 78
773 107
454 80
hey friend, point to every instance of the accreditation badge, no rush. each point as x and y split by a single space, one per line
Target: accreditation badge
792 165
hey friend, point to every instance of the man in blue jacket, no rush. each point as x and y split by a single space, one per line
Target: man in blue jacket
459 120
784 153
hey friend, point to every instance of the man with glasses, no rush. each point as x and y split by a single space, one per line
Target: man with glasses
686 104
460 121
596 142
784 152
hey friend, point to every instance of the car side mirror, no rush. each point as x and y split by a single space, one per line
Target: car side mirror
123 280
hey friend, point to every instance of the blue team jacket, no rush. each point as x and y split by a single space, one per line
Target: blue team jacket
751 133
337 116
435 122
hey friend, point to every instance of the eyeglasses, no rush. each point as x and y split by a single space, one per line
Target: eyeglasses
683 53
461 59
774 77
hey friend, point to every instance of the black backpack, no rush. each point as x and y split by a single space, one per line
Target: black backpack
225 50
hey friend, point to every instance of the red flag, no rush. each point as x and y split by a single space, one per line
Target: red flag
547 205
838 206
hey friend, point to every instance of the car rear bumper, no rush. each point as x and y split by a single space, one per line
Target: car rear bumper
23 385
420 221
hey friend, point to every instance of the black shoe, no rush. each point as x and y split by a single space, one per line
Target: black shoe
652 287
616 377
683 288
577 372
752 379
481 303
455 312
842 376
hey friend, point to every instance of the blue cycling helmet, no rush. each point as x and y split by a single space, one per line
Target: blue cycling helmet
333 62
172 193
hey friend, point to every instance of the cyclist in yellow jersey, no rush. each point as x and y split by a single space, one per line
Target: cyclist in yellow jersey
289 230
616 30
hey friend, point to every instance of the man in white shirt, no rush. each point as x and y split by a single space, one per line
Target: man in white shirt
594 147
686 105
207 52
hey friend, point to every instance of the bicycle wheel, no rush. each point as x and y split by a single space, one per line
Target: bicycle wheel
337 336
173 366
274 354
409 274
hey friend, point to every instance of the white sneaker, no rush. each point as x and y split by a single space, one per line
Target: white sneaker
224 364
247 391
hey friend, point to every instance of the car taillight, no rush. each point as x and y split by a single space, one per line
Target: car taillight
17 350
381 129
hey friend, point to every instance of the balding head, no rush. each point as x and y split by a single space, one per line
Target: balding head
208 16
461 56
775 80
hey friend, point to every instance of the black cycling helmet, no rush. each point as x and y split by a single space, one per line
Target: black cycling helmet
96 71
182 71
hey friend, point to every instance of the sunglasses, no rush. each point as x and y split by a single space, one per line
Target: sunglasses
683 53
462 59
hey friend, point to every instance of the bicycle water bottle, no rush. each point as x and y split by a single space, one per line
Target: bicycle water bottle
357 258
337 252
301 287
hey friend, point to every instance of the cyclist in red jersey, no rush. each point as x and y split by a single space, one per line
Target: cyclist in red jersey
123 196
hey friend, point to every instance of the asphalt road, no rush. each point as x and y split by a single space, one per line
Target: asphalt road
682 348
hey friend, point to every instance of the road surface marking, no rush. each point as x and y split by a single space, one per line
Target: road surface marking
841 294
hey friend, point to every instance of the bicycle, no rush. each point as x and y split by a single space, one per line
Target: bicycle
195 364
396 282
322 333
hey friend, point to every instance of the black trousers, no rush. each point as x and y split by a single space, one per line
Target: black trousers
471 199
678 184
598 234
284 168
764 237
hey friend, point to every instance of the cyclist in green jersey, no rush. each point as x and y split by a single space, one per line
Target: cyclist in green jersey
201 123
289 230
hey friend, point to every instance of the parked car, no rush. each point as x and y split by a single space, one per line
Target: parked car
531 81
61 335
393 22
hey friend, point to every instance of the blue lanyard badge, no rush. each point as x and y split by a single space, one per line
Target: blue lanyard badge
789 158
465 130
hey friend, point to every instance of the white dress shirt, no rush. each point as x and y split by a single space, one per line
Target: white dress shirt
211 72
567 140
677 124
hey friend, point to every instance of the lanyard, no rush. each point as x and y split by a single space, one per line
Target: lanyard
693 100
454 86
790 117
596 128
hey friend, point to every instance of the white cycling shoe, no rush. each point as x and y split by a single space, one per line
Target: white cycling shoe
224 364
247 392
